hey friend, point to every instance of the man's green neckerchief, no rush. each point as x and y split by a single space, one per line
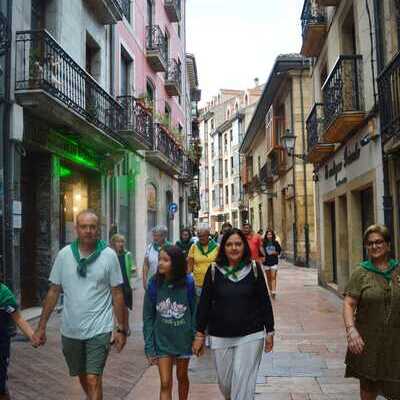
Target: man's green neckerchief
184 245
84 262
369 266
229 271
157 247
210 247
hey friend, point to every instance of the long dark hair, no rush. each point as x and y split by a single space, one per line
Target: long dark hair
178 266
186 230
265 241
222 259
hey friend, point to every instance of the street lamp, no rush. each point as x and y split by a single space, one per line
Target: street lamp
289 141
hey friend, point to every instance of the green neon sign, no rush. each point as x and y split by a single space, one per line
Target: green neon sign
64 172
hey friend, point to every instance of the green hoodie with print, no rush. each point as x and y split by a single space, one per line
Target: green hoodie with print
169 318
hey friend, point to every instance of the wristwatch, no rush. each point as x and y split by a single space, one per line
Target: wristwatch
123 331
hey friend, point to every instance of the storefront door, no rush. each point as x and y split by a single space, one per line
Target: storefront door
333 235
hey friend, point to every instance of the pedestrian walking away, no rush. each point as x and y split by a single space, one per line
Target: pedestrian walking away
201 255
255 243
371 313
150 264
126 263
236 309
9 314
185 242
272 250
169 321
90 276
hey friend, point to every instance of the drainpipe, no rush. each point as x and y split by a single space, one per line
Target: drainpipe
8 263
294 177
303 136
387 195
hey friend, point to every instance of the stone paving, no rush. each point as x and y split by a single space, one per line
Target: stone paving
307 362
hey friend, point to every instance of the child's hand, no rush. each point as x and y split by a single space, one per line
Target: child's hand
152 360
198 346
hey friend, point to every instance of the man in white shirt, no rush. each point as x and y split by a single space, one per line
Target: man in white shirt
89 274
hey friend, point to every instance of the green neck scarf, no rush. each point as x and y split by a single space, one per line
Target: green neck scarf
369 266
210 247
84 262
157 247
184 244
229 271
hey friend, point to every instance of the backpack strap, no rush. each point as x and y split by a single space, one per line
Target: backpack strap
152 291
255 269
213 266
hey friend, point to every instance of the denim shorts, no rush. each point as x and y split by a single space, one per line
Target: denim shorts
4 360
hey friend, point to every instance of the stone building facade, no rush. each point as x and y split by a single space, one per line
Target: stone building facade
84 134
278 186
343 131
222 126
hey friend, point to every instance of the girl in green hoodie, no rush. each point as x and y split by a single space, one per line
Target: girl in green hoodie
169 320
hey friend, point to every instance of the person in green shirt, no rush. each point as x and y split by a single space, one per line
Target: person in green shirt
126 263
169 320
9 314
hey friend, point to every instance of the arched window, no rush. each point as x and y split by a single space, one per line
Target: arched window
151 197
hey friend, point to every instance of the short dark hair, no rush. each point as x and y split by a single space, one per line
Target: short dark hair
222 259
186 230
178 265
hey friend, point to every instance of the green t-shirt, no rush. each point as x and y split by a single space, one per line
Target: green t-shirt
8 306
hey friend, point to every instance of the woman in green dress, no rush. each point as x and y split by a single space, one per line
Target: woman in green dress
371 313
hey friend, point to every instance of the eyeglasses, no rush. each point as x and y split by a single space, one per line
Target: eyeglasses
376 243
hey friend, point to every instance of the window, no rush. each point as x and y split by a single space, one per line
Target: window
150 94
151 195
212 124
232 167
212 150
179 29
260 216
226 194
232 192
93 57
167 111
213 198
126 66
149 12
225 143
212 174
231 135
226 168
220 196
205 130
220 170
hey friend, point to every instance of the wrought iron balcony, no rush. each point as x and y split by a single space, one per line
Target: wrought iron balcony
173 78
313 23
317 149
389 100
5 34
110 11
189 170
53 86
173 9
136 124
156 48
266 175
166 154
343 99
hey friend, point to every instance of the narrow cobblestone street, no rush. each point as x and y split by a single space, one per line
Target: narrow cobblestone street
307 362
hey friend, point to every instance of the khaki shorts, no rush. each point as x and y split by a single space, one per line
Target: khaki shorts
86 356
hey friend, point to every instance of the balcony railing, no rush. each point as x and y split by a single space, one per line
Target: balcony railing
313 23
343 98
156 48
389 99
318 149
266 175
43 65
166 145
126 8
173 78
110 11
136 122
173 9
5 34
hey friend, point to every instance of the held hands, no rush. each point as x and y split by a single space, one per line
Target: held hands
269 344
39 337
355 341
198 344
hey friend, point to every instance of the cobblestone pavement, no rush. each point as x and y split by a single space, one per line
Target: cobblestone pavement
307 362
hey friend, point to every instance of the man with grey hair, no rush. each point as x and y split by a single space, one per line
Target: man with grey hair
150 264
89 274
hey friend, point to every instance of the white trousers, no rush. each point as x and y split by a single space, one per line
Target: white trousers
237 369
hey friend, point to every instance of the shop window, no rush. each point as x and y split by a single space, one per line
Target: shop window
151 197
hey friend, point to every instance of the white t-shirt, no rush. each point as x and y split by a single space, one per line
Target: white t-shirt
87 308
